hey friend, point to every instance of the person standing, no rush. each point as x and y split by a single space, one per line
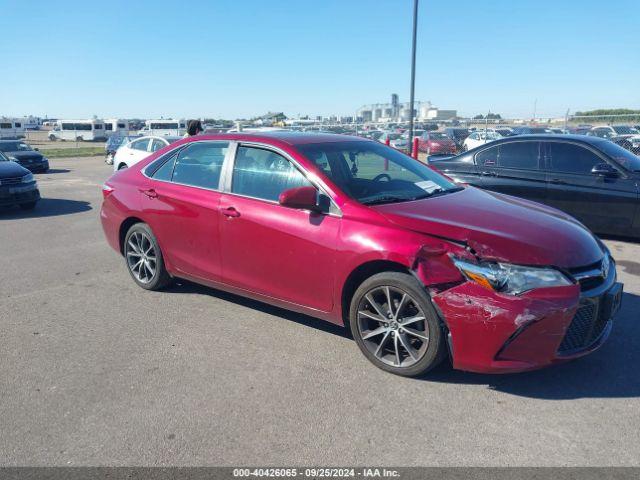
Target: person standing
194 127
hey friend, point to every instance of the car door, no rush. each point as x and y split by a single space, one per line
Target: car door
269 249
513 167
604 204
180 200
136 151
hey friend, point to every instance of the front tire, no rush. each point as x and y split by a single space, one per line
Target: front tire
395 325
144 259
122 166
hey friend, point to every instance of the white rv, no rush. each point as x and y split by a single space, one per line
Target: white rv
83 130
164 127
116 126
11 128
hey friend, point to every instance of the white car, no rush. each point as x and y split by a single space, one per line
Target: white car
139 149
475 139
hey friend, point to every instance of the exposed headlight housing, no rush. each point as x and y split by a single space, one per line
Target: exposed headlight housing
509 278
28 178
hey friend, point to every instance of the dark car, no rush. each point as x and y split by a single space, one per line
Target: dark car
528 130
17 185
114 143
590 178
457 135
22 153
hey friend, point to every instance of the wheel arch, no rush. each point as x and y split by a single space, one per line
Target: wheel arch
359 275
124 228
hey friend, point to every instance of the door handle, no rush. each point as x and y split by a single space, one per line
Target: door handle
149 192
557 181
230 212
488 174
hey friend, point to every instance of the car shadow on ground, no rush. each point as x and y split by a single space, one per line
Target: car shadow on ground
56 170
184 286
46 207
611 372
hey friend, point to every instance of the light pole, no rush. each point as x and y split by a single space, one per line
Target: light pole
413 74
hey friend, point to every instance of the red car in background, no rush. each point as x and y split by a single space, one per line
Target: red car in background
359 234
436 143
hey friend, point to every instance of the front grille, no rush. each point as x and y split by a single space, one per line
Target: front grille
586 327
10 181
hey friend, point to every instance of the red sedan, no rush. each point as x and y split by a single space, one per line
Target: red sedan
356 233
436 143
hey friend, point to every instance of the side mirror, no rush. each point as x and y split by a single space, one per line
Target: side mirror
604 170
303 198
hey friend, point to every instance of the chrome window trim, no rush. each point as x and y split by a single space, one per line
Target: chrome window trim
334 209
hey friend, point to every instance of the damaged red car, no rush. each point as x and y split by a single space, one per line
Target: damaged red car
356 233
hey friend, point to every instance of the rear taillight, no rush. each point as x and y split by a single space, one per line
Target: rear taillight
106 190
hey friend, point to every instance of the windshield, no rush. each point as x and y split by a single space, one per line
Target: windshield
622 130
624 157
438 136
372 173
14 147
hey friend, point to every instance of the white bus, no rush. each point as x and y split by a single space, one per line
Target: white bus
164 127
11 128
116 126
78 130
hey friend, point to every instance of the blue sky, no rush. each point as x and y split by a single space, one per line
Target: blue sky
226 58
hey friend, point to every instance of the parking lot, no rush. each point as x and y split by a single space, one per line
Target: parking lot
97 371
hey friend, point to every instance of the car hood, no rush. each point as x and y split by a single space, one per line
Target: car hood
11 170
500 227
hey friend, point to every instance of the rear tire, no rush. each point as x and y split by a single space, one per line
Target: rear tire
144 259
109 159
408 340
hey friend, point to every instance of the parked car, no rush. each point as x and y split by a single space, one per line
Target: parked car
139 149
590 178
478 138
114 143
22 153
612 131
528 130
17 185
396 140
436 143
457 135
359 234
505 131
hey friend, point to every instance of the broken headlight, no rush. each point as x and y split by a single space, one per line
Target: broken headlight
508 278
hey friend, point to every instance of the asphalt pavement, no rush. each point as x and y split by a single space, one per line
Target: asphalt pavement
96 371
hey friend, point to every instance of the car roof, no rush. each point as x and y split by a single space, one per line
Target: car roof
289 138
543 136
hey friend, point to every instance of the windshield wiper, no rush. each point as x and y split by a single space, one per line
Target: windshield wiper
437 192
387 199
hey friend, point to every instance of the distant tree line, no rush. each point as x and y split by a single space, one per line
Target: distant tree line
604 115
490 116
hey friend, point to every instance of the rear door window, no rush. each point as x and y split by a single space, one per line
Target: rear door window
520 155
488 157
142 144
571 158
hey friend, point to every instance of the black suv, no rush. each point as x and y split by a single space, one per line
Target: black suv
17 185
591 178
22 153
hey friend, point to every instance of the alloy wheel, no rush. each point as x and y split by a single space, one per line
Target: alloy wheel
141 257
392 326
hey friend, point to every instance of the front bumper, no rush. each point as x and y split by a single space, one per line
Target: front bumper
35 165
17 194
496 333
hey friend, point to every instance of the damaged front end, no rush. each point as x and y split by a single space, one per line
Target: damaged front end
505 318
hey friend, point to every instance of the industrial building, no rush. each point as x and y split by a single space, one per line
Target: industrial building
395 111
